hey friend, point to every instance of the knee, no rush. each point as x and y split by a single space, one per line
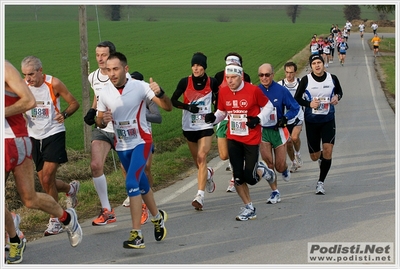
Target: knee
96 167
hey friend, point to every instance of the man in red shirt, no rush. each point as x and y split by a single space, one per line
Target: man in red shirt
242 102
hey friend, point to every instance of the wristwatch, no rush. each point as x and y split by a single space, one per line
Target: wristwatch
65 114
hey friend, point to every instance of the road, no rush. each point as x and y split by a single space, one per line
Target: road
359 205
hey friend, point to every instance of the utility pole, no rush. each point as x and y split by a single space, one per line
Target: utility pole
87 130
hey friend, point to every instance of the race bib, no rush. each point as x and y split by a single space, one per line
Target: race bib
323 107
237 124
126 131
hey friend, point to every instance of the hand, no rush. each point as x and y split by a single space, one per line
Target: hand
90 115
281 123
192 108
209 118
252 122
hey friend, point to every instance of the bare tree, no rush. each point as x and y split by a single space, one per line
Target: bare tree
352 12
383 8
113 12
293 11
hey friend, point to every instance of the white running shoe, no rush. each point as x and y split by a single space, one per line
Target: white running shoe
320 188
72 200
73 229
286 175
198 202
298 160
210 185
267 173
126 203
294 166
231 187
53 227
274 198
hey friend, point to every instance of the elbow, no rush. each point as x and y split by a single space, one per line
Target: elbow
31 104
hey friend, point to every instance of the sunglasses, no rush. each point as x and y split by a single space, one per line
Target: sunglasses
265 75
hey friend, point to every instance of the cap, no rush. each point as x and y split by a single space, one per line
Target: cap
136 75
200 59
316 57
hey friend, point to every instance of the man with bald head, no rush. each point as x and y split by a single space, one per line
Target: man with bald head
274 132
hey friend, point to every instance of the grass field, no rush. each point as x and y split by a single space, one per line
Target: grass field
162 48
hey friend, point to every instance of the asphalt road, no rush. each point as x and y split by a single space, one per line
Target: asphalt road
359 205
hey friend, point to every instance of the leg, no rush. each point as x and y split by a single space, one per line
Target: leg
99 153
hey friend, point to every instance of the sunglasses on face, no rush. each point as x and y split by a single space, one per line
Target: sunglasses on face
267 75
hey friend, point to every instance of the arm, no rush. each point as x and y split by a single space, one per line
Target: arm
180 89
61 90
153 114
161 99
298 96
15 84
337 91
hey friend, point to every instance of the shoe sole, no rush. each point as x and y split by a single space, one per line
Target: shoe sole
48 234
244 219
320 193
130 246
274 202
197 206
104 223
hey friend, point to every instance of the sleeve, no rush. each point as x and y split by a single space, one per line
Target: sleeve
153 114
301 89
215 90
291 105
338 88
180 89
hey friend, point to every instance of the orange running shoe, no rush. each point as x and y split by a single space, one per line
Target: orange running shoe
145 214
105 217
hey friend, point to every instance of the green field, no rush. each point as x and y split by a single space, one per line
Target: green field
159 41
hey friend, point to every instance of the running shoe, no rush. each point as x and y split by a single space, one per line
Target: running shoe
274 198
246 214
72 200
135 240
127 202
210 185
198 202
286 175
73 229
320 188
228 168
267 173
294 166
53 227
105 217
159 226
16 252
298 160
145 214
17 221
231 187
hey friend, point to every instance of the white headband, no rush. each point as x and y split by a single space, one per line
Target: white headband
234 70
233 60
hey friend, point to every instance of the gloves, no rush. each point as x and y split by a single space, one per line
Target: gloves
210 118
281 123
90 115
192 108
252 122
